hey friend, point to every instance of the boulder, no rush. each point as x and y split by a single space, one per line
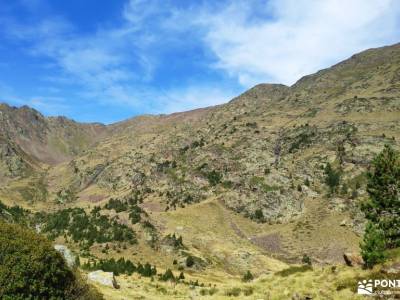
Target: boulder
393 269
103 278
69 257
353 259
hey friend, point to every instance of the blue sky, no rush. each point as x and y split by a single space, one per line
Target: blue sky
110 60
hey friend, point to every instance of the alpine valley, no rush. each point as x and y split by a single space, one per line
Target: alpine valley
258 198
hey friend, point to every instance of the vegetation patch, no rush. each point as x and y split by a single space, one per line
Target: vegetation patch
294 269
87 228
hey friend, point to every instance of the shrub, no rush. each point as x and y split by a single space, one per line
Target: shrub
294 269
247 291
214 177
248 276
189 261
258 215
116 205
31 269
306 260
332 178
235 292
174 241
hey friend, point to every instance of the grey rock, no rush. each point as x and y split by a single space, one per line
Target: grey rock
69 257
103 278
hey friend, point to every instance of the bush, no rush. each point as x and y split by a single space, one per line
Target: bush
31 269
247 291
214 177
189 261
306 260
116 205
235 292
294 269
258 215
332 178
248 277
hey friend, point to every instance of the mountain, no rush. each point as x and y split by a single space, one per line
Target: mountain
244 183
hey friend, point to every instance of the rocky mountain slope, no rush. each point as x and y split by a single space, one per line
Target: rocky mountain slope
240 182
253 152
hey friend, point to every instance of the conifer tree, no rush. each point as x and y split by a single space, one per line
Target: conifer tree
383 206
373 246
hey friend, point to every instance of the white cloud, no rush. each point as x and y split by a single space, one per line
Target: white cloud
192 97
45 104
282 40
252 41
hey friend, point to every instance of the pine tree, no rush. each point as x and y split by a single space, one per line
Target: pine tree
181 276
373 246
383 206
147 272
168 276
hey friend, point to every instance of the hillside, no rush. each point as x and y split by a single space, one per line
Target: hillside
243 184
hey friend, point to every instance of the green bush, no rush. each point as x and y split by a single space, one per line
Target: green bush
117 205
214 177
248 277
31 269
235 292
306 260
294 269
247 291
189 261
332 178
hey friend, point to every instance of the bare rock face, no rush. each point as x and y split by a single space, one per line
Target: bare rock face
353 259
69 257
103 278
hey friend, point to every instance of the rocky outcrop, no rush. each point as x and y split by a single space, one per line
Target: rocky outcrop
69 257
393 269
353 259
103 278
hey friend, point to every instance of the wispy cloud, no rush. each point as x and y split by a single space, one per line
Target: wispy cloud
282 40
49 105
191 97
126 63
